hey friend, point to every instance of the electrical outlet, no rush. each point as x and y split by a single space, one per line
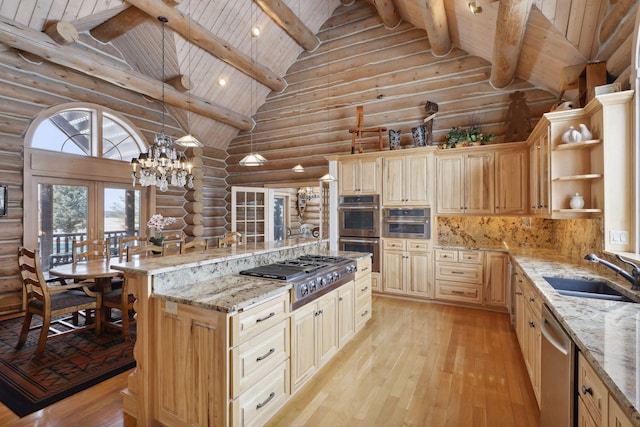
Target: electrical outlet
171 307
619 237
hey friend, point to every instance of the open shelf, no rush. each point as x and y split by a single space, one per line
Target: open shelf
585 177
578 210
577 145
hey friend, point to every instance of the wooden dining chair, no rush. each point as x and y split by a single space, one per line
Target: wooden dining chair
126 241
51 301
132 252
231 238
89 249
196 245
172 243
122 300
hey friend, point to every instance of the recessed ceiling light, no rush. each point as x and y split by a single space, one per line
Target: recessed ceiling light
222 81
255 31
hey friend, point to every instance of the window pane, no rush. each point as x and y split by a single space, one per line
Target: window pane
117 142
62 217
121 215
68 132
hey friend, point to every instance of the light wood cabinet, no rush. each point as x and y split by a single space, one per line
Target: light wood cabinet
496 279
539 173
407 268
511 182
596 405
362 289
528 317
406 181
359 176
459 276
346 313
314 340
465 183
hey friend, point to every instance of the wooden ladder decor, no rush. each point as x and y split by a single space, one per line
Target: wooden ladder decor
360 129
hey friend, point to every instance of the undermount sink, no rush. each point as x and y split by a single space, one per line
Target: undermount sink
585 288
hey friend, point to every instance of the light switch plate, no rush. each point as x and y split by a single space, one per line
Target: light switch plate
619 237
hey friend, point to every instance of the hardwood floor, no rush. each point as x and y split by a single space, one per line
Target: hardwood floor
421 364
414 364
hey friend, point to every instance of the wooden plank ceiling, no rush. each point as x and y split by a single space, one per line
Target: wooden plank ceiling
548 35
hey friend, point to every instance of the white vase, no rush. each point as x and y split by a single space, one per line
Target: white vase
577 202
571 135
585 133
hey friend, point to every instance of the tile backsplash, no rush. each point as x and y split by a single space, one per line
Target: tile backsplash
573 237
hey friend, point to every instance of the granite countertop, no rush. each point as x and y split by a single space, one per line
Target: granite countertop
233 292
499 247
606 332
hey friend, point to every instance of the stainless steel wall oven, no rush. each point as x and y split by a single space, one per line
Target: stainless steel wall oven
363 244
359 216
409 223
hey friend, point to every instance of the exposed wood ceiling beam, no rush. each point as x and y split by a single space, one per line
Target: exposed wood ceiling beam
221 49
26 39
435 22
290 23
123 22
614 17
388 12
512 22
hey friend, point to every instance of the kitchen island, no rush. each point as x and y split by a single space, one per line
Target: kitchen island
213 347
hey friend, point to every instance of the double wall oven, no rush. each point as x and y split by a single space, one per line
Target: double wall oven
359 226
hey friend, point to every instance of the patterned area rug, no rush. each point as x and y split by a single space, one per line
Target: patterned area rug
68 365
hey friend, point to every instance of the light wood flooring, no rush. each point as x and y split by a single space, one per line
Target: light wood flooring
414 364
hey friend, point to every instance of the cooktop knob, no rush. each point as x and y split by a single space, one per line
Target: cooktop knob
304 290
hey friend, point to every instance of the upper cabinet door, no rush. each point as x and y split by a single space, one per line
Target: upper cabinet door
416 181
511 182
479 183
450 184
360 176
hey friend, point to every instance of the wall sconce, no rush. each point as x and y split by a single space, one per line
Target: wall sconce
474 8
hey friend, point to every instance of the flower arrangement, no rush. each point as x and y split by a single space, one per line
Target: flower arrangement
467 137
157 222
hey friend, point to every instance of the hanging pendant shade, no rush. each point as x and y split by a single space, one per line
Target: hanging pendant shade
298 168
327 178
252 159
188 141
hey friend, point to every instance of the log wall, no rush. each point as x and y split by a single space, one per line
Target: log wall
392 73
26 89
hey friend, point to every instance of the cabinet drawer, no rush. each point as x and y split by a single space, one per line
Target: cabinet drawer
364 267
363 312
393 244
532 298
446 255
473 257
460 292
417 246
256 357
251 322
262 401
466 273
363 288
593 392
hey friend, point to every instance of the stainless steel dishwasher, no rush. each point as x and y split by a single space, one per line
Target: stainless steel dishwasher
557 379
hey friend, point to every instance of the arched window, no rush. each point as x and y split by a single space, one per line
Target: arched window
87 132
78 179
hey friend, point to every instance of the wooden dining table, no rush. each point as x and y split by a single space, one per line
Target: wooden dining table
98 269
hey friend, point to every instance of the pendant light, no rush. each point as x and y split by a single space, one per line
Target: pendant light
162 165
189 141
253 159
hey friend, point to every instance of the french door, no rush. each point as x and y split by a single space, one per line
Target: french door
70 209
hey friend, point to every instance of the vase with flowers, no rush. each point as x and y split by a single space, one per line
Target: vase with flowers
157 223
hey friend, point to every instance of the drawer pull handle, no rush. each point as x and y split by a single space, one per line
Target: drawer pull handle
364 289
587 390
364 313
262 405
365 269
266 317
264 356
340 299
532 299
458 292
519 293
457 272
532 325
319 312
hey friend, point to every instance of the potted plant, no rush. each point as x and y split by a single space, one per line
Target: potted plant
465 137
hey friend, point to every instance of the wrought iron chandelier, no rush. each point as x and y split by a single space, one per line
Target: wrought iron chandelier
163 164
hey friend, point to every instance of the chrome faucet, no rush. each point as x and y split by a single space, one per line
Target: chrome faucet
633 278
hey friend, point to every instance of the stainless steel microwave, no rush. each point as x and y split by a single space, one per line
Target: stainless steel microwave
408 223
359 216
